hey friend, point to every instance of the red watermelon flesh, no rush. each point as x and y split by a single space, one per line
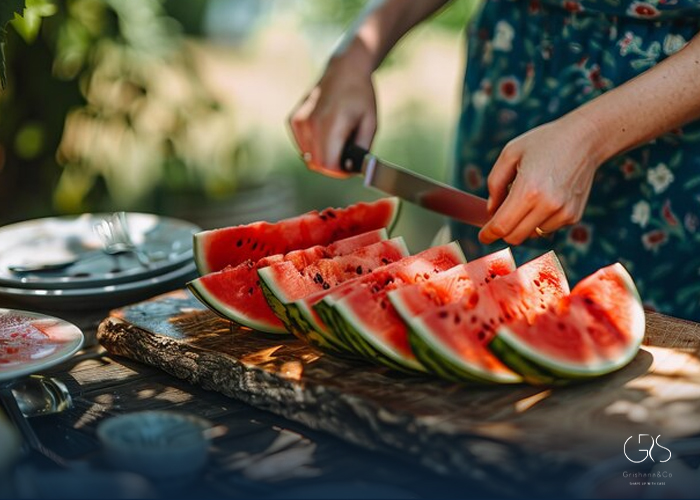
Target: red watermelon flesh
219 248
455 336
595 330
451 285
235 292
366 315
287 283
307 304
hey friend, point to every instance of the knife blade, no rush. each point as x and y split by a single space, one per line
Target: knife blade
415 188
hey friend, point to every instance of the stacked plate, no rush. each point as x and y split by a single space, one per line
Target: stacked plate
95 280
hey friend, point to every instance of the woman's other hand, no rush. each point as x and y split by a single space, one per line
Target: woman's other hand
340 104
541 181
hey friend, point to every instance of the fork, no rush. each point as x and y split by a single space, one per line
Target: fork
113 232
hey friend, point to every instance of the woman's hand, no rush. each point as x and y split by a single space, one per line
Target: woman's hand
541 181
341 103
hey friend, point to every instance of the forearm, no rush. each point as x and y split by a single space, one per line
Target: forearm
657 101
380 27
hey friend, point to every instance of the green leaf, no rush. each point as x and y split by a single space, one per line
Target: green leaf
28 25
8 9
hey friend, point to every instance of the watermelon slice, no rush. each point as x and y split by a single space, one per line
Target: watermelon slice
235 292
452 340
595 330
451 285
283 283
364 318
219 248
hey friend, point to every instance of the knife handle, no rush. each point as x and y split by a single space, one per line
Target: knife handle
352 158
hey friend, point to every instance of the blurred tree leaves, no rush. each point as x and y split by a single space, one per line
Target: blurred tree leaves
8 10
29 23
25 16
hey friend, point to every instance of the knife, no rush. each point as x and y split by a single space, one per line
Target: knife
413 187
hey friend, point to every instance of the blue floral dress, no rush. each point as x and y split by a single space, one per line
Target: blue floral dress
530 62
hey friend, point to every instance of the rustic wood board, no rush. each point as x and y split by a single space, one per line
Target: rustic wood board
506 436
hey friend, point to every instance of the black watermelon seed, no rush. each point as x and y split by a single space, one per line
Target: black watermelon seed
322 217
326 286
385 260
443 314
358 270
250 291
318 278
255 245
481 335
330 214
240 242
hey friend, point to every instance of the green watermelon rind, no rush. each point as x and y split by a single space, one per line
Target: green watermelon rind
371 346
290 319
197 253
506 343
315 333
273 294
338 331
436 365
304 325
431 351
226 312
274 303
198 239
357 335
371 349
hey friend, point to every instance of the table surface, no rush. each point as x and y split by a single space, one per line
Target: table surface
260 455
263 455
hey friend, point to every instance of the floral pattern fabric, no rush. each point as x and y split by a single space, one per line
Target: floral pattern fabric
530 62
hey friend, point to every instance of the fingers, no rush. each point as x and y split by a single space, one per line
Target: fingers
299 126
366 130
321 136
514 222
509 215
566 216
502 175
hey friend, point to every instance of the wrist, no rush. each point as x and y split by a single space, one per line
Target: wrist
353 57
597 144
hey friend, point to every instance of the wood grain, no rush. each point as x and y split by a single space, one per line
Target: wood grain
506 436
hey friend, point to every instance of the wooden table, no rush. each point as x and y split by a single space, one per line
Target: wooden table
423 437
261 455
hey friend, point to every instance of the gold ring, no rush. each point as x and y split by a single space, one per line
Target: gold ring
540 233
307 157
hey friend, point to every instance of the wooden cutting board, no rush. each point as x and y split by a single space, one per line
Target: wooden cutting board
508 437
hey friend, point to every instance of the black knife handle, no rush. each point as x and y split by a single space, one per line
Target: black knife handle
352 158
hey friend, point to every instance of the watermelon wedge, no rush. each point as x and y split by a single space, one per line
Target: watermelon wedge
452 340
283 283
594 331
235 294
219 248
451 285
365 319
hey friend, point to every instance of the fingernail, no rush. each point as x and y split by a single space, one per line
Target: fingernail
489 204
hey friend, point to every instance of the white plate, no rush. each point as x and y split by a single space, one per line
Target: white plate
32 342
167 241
102 297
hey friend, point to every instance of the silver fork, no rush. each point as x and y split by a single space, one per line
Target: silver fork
113 231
